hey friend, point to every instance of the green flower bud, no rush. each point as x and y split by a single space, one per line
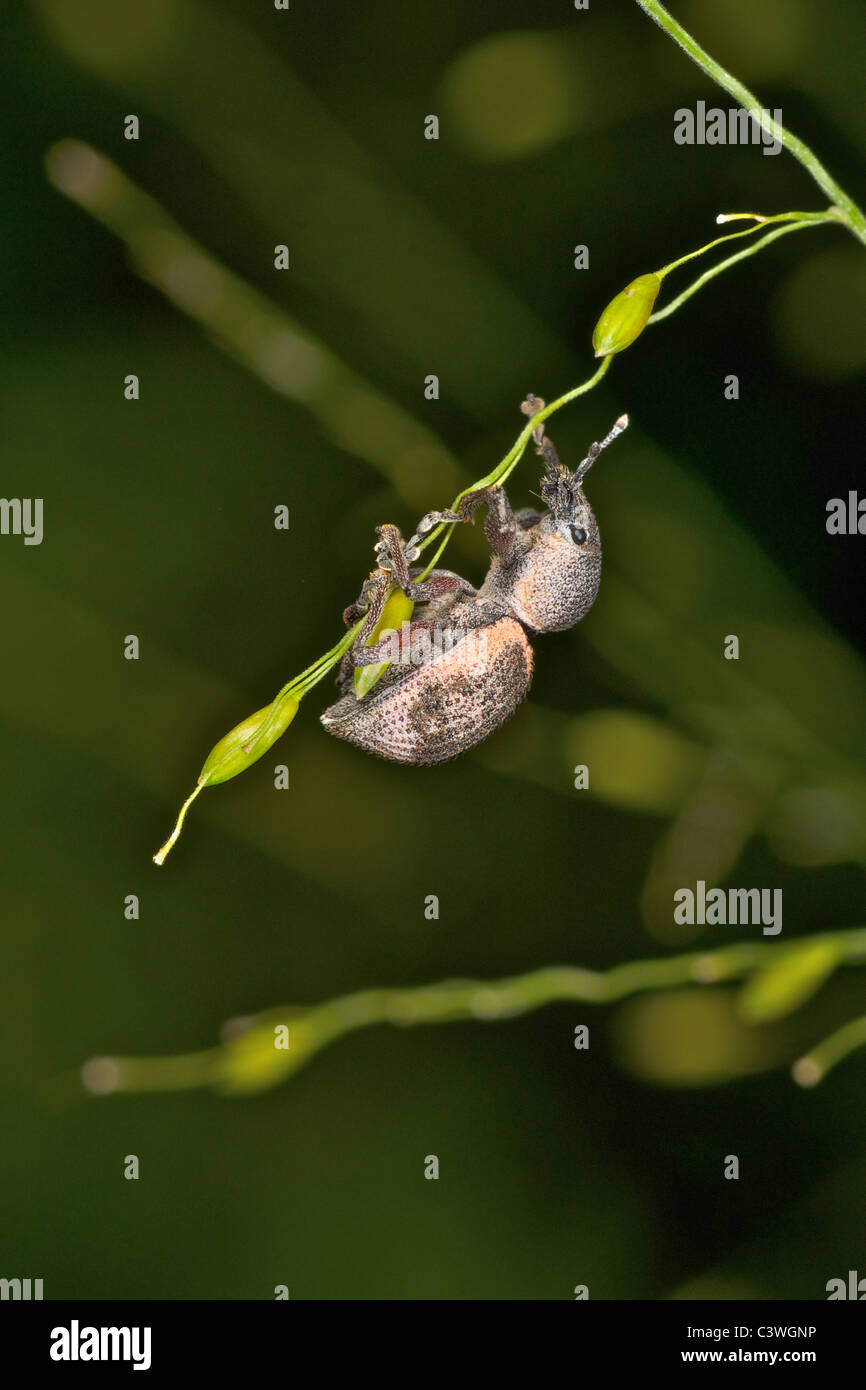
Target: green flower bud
233 754
626 316
398 610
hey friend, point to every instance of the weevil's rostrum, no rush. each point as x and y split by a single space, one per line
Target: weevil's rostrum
463 664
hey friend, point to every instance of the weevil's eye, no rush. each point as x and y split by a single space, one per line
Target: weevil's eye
578 534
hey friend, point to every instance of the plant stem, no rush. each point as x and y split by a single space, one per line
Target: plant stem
249 1061
717 241
809 1070
160 856
797 218
852 215
723 265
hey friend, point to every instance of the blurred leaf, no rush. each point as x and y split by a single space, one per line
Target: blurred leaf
635 761
513 94
788 982
692 1038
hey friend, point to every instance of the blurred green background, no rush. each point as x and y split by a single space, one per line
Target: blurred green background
411 257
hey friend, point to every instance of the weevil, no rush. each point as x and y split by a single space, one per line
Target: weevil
461 667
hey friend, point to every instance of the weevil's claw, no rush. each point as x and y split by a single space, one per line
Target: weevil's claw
531 406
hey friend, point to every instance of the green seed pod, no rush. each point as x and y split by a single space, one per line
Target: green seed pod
626 316
398 610
233 755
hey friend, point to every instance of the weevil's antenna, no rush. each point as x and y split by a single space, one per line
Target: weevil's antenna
595 449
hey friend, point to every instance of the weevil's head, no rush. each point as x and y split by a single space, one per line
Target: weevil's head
556 579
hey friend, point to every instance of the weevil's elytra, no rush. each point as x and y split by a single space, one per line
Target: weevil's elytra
442 695
440 709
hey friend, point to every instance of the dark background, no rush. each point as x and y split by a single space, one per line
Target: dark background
411 257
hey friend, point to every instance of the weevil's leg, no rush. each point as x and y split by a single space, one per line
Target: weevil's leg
544 447
370 601
531 406
344 673
425 525
397 647
391 551
527 517
500 525
375 582
393 556
353 613
439 584
547 450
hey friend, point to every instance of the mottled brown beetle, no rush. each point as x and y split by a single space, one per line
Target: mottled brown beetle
461 669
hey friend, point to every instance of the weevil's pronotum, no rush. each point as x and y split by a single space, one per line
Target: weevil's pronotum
462 666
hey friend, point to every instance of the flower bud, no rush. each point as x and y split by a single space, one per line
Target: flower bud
626 316
233 755
398 610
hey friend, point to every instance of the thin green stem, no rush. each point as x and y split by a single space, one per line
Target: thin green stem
249 1061
692 255
809 1070
831 215
852 215
299 685
731 260
798 218
297 688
